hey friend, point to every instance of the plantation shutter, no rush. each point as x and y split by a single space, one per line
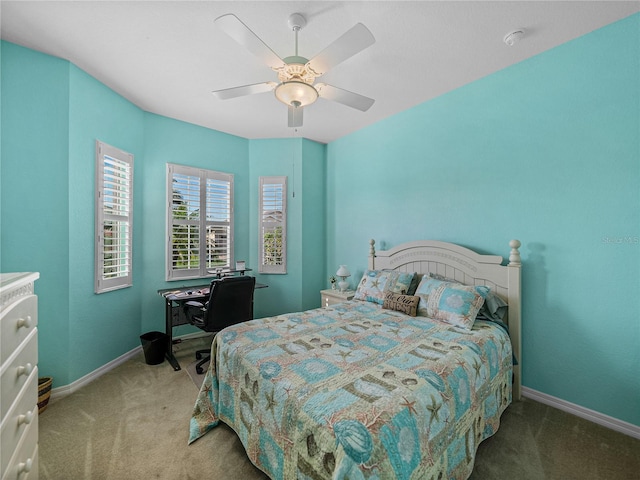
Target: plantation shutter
273 225
114 218
218 223
199 220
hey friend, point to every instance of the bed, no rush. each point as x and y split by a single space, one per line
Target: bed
366 390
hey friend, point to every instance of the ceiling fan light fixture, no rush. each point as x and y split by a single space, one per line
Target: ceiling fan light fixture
297 74
296 94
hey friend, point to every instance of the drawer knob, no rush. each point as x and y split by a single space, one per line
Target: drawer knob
25 369
27 418
24 322
25 467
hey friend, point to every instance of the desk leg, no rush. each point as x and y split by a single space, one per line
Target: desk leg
169 331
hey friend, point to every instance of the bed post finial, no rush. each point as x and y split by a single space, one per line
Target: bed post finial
372 254
514 256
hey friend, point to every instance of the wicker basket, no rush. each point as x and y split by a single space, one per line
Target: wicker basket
44 392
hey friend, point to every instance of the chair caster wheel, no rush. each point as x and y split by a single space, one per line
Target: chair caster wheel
199 370
198 357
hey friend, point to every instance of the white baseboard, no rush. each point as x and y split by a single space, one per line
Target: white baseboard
62 391
591 415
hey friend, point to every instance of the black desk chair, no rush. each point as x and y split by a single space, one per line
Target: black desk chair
230 302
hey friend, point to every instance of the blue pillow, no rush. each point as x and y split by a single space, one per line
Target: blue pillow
376 283
494 307
450 302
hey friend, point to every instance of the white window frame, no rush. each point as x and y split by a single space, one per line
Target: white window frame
272 217
113 267
211 208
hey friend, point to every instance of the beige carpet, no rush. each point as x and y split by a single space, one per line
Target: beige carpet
133 423
196 378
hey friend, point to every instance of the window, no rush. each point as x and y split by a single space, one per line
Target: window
199 221
273 225
114 218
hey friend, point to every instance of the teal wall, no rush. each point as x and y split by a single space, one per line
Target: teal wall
52 114
101 327
546 151
34 189
302 162
173 141
312 184
276 157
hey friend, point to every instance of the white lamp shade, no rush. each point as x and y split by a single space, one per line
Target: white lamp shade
343 271
296 93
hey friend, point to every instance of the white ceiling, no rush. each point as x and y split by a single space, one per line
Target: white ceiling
167 56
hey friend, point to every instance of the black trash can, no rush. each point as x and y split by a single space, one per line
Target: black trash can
154 345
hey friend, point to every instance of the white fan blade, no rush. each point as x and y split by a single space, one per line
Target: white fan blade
234 92
350 99
353 41
295 116
232 26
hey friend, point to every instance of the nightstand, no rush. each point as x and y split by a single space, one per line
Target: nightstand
330 297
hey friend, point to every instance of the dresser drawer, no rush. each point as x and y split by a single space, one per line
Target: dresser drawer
22 415
16 322
23 464
17 370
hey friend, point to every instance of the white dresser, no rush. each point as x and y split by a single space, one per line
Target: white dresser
19 377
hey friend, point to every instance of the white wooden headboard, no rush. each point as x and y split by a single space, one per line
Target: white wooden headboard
467 267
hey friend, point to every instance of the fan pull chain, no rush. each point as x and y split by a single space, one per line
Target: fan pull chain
293 163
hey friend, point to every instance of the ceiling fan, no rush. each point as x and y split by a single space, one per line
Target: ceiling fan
297 74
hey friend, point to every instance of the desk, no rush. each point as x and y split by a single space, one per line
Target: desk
175 298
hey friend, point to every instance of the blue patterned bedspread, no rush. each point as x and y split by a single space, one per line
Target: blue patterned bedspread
355 391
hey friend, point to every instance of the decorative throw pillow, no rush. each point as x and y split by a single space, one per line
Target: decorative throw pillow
450 302
402 303
494 307
375 283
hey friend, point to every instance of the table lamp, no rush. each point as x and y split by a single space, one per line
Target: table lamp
343 272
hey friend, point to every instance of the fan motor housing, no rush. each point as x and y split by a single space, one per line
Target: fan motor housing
296 70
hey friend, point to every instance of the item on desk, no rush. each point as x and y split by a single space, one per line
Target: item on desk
240 265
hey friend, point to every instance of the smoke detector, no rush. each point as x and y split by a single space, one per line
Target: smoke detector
514 37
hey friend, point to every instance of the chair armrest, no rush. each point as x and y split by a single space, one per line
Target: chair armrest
194 311
195 304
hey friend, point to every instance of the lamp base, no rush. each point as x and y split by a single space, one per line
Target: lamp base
343 286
